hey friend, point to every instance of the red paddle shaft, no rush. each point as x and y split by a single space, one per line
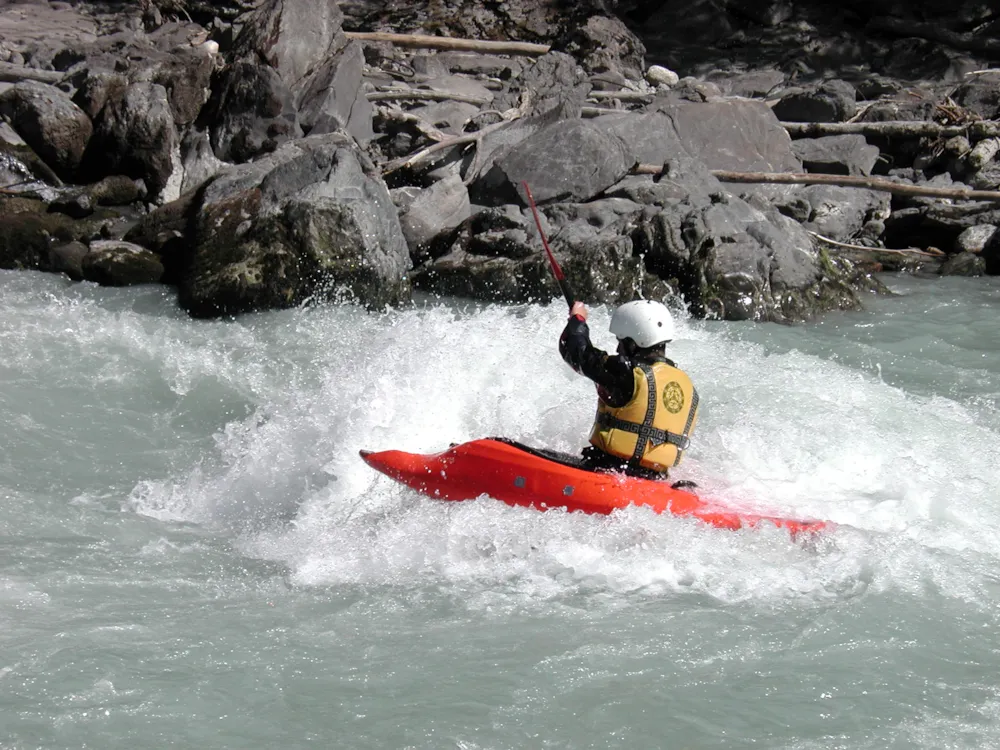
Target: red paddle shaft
556 270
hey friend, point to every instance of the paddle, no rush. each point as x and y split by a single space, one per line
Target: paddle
556 270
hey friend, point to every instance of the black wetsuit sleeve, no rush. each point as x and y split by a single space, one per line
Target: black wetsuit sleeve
612 373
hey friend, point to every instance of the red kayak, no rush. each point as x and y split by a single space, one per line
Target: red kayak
542 479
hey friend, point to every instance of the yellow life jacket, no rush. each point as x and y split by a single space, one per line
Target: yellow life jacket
653 429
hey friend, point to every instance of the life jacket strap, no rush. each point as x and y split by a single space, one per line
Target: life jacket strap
655 436
645 432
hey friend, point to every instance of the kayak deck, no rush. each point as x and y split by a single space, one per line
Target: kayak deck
542 479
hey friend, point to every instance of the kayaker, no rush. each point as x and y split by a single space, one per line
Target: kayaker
647 407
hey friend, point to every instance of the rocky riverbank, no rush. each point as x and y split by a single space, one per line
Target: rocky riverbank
268 157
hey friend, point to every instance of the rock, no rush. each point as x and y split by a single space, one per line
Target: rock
840 213
97 85
980 95
554 85
441 207
251 112
836 154
605 45
309 221
963 264
569 160
305 46
657 75
830 101
198 161
117 190
75 203
120 263
50 123
291 36
975 239
67 258
136 136
991 255
186 77
448 117
333 98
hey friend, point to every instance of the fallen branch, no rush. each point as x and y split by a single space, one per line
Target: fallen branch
458 140
935 33
18 73
869 183
905 251
625 96
420 124
894 129
424 95
443 42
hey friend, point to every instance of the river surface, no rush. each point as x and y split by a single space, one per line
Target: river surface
192 554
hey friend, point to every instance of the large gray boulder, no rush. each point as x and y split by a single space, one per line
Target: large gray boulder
251 112
555 83
50 123
568 160
294 71
136 136
837 154
310 221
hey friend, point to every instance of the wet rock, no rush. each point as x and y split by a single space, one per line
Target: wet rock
991 255
963 264
50 123
119 263
67 258
309 221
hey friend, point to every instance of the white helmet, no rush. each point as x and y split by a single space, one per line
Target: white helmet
646 322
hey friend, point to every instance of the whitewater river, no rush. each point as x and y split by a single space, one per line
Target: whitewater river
192 555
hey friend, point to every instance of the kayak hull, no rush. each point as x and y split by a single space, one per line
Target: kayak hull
522 476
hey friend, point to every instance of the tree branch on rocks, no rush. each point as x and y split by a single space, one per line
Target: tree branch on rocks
929 252
894 128
17 73
392 114
425 41
448 142
935 33
423 95
868 183
625 96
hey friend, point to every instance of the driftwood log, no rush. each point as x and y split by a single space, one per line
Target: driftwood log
869 183
426 41
423 95
17 73
894 128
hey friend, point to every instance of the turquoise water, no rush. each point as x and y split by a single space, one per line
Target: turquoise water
192 555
